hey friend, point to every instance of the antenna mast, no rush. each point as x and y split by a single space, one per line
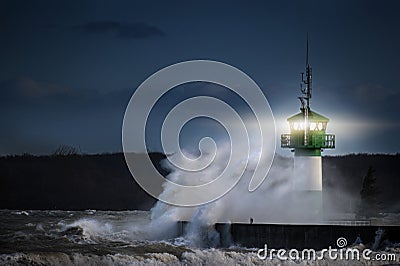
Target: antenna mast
305 98
306 94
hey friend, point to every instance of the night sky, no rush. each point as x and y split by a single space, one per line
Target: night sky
69 68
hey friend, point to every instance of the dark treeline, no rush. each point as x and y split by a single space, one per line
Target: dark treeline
72 182
343 180
78 182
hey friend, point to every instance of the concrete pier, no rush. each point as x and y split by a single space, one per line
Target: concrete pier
299 236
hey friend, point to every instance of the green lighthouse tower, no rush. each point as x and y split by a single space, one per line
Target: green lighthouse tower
307 139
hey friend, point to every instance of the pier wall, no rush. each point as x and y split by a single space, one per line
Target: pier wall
298 236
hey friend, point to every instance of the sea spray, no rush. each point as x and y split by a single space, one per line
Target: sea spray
201 232
272 202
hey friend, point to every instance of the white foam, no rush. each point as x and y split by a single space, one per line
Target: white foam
194 257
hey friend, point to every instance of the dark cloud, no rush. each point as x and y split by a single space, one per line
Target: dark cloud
38 116
375 92
28 92
137 30
99 26
27 87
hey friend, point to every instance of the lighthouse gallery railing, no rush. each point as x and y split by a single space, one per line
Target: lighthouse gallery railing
324 141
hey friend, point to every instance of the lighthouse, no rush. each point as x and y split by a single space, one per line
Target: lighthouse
307 139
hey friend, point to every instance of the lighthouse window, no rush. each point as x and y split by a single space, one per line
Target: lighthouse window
298 126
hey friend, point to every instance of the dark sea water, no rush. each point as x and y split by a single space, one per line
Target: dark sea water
98 238
111 238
